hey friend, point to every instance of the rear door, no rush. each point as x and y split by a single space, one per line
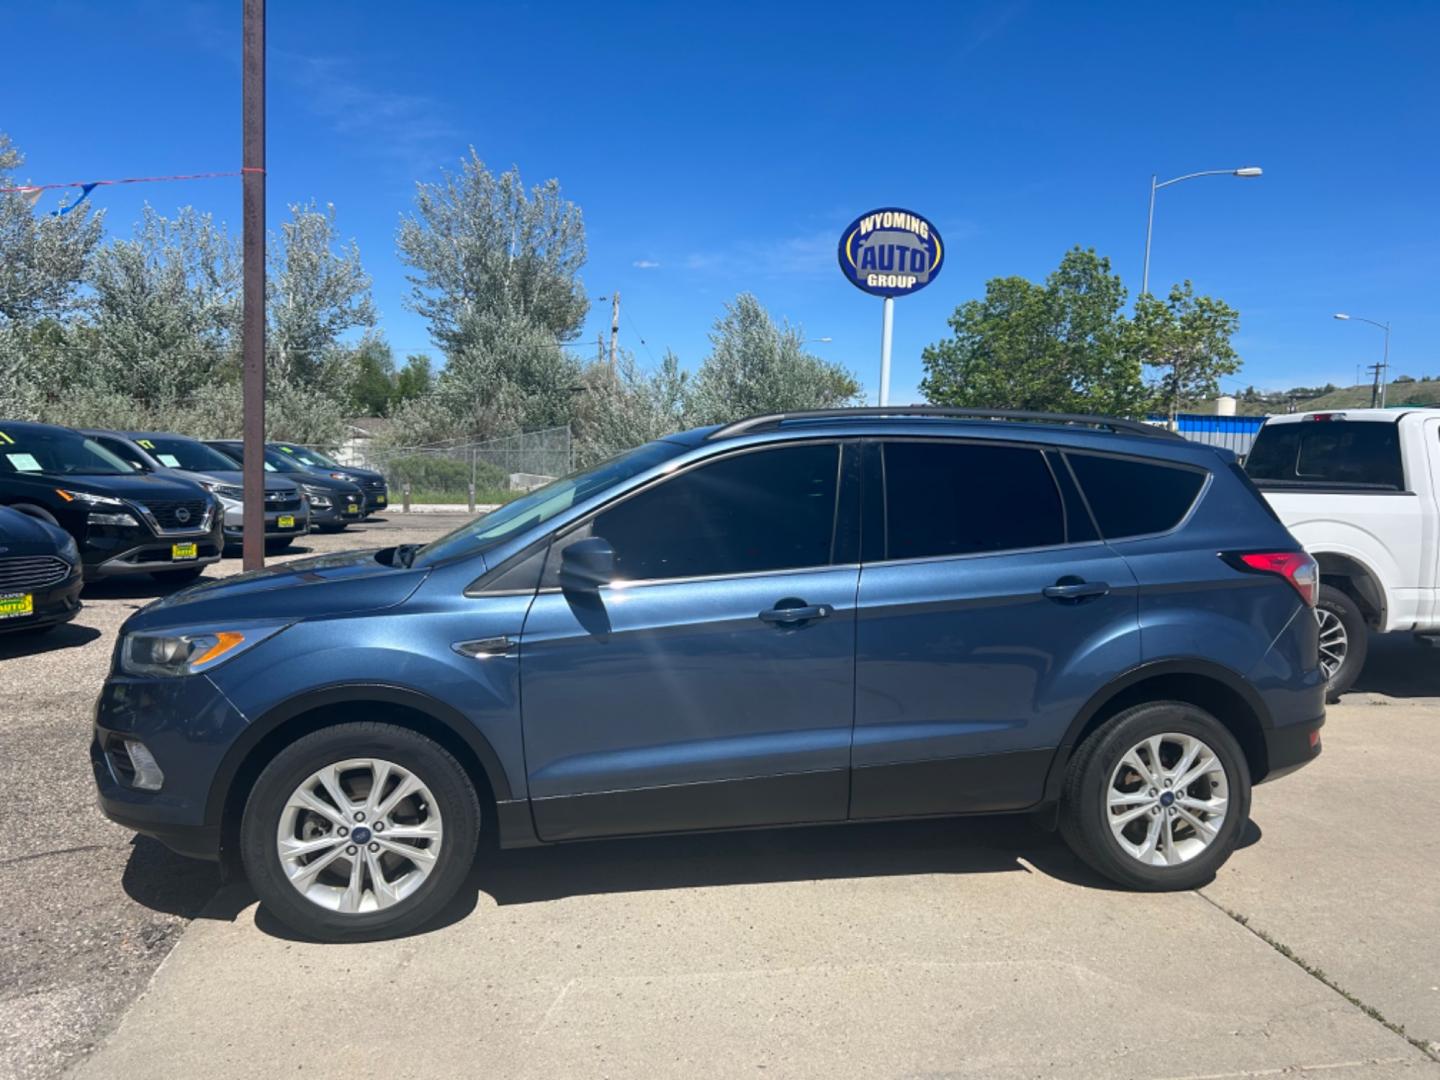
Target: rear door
711 685
989 612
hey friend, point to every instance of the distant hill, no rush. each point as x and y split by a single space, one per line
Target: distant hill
1403 391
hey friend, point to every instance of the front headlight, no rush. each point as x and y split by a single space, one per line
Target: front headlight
226 491
70 551
319 497
175 653
89 500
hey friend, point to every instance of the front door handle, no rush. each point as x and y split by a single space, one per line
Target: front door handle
794 613
1072 588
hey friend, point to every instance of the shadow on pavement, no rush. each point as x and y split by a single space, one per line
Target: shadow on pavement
64 636
163 881
1399 666
978 845
137 586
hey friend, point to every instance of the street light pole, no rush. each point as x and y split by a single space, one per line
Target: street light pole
1377 393
1156 184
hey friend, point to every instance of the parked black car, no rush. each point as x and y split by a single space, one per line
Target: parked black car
333 503
370 481
287 512
124 521
40 575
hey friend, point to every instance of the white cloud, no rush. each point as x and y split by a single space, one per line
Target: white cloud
645 264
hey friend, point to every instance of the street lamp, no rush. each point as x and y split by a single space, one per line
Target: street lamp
1155 185
1378 392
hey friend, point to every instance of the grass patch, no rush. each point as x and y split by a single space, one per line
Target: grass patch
1319 975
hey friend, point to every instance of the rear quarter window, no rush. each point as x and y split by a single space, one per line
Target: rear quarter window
1135 498
1356 454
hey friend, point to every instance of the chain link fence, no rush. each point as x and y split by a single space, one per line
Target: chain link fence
448 472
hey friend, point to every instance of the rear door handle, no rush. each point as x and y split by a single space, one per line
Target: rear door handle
794 616
1075 590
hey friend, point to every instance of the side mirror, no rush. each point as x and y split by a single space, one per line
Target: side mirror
587 564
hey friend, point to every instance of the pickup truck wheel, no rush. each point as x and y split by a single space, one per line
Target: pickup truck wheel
1342 640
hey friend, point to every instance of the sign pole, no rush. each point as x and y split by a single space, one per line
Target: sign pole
887 333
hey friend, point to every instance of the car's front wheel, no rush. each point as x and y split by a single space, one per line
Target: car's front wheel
1157 798
359 831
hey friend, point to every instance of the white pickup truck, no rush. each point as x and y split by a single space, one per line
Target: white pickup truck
1358 489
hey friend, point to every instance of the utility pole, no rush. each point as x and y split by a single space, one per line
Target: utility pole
1377 392
252 327
614 328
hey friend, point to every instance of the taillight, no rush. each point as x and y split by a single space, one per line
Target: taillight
1296 567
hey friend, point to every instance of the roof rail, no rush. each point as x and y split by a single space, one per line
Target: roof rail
1109 423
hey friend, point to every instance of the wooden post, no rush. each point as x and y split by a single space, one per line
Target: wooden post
252 326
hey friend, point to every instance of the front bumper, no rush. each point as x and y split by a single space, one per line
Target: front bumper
188 725
235 524
53 604
114 551
339 513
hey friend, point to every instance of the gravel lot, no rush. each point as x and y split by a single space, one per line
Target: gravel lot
87 910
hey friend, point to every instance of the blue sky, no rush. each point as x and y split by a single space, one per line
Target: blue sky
722 147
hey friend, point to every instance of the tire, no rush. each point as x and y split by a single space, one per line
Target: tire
413 901
178 577
1085 813
1342 626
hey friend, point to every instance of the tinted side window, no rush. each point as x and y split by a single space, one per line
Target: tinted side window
1132 498
764 510
956 498
1363 453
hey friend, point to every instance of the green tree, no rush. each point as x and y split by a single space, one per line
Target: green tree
43 258
413 380
616 412
755 366
1061 346
484 252
372 382
1187 338
317 290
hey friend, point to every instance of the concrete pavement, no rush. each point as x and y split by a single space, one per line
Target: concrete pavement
969 949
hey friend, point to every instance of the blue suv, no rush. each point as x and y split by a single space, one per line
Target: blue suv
812 617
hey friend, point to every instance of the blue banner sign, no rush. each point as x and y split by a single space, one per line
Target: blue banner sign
891 252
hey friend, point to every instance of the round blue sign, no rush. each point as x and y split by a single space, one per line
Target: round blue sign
891 252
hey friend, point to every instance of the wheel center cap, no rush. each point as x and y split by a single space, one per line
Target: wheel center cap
1165 800
360 834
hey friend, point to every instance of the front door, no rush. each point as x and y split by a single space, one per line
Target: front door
989 612
712 684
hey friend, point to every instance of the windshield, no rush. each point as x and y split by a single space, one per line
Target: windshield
57 452
542 504
1339 453
187 454
307 456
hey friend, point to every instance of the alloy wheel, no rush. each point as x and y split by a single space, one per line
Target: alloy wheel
1334 642
359 836
1167 799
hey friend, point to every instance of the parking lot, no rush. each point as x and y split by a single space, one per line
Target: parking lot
975 947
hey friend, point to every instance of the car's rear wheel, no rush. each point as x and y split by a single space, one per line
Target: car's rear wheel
1157 798
1343 641
359 831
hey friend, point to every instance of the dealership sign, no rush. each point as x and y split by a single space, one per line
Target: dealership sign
891 252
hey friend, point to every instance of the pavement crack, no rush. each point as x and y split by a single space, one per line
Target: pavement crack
1426 1048
47 854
